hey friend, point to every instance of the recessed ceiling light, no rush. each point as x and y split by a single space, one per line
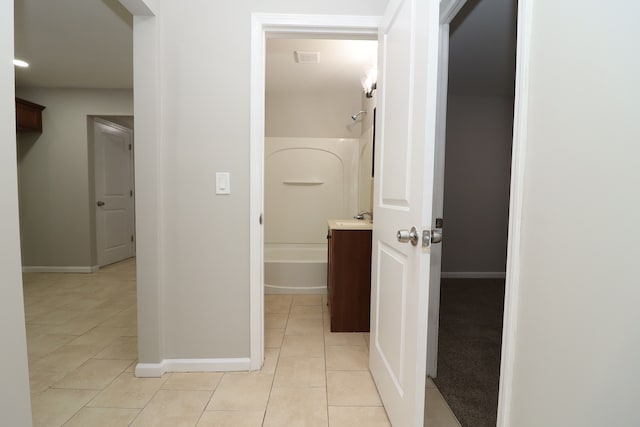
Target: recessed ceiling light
20 63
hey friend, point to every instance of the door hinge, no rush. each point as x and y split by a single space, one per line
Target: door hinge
129 147
132 237
130 193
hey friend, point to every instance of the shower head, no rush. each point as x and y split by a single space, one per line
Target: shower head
356 115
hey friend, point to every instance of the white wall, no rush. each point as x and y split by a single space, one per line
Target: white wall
15 404
56 175
297 213
195 282
578 335
477 176
315 115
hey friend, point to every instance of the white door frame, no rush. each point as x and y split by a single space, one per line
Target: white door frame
518 162
309 26
448 11
367 26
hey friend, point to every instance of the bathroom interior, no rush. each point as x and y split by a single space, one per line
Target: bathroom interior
319 129
319 166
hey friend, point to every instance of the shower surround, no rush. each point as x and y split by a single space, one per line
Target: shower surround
307 182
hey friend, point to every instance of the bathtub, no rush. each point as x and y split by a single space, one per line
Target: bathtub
295 270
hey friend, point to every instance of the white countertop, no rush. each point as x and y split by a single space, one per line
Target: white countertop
350 224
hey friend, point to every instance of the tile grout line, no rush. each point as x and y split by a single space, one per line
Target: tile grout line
84 363
204 409
324 342
273 378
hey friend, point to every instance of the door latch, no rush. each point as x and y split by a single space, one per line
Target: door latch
426 238
431 236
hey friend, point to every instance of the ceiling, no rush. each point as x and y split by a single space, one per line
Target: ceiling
88 44
342 64
74 43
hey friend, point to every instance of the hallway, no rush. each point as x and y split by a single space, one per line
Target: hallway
82 347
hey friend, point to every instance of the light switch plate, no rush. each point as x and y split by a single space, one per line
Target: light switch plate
223 183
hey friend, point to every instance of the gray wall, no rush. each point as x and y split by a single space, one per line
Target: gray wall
195 274
477 177
578 338
57 215
314 115
15 404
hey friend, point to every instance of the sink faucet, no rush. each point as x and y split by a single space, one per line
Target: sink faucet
362 214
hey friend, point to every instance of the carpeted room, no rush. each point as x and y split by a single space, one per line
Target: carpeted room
476 208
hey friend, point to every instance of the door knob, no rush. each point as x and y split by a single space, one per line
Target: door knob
100 203
405 236
436 236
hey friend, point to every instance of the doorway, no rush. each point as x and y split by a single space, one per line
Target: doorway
317 153
66 311
265 27
114 191
263 24
477 165
317 167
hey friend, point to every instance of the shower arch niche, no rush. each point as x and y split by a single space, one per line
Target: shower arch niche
307 181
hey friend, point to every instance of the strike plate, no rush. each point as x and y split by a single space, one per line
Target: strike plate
426 238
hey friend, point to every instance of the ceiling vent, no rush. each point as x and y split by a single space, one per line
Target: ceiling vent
307 57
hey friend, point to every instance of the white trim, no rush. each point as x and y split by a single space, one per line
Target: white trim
256 191
473 275
307 26
149 370
449 9
311 26
518 163
435 273
105 121
155 370
60 269
138 7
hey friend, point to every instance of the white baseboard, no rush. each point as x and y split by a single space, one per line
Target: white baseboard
57 269
149 370
155 370
473 275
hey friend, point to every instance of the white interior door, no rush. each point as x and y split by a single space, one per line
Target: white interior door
403 196
114 192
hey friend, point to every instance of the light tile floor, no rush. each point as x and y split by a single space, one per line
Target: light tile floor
82 347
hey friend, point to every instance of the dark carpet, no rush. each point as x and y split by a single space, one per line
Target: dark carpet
470 338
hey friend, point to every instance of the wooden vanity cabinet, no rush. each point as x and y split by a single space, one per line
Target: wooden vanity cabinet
349 280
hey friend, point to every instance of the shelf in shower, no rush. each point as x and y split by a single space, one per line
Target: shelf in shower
302 182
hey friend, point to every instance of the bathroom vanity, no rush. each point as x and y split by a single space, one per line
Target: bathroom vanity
349 275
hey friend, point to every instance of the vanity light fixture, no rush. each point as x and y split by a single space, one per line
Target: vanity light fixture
20 63
369 83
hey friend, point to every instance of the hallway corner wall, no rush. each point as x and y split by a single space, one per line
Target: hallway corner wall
15 405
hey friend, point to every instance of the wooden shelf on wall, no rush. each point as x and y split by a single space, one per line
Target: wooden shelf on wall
28 116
